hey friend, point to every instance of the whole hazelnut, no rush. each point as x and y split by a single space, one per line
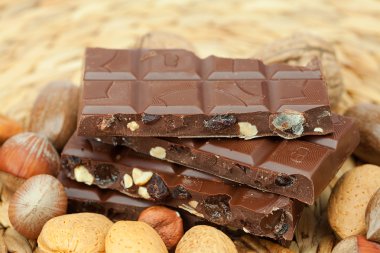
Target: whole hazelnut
168 224
25 155
8 128
39 199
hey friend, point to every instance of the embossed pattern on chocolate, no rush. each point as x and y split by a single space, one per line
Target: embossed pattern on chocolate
173 93
298 169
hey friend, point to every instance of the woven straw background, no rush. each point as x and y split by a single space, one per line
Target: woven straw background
44 40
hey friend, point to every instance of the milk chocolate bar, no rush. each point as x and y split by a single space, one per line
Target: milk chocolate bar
173 93
298 169
140 176
115 205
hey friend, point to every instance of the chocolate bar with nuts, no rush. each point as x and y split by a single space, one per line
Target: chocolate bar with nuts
115 205
298 169
173 93
140 176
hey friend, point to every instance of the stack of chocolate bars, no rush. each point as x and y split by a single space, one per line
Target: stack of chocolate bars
164 127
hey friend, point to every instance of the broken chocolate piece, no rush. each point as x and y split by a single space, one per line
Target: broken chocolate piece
174 93
177 186
299 169
117 206
113 204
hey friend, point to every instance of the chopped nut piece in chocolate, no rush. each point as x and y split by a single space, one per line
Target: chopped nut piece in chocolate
158 152
82 175
141 177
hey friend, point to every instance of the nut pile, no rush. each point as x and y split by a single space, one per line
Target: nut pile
34 203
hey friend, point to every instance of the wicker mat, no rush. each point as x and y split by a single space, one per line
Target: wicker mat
41 41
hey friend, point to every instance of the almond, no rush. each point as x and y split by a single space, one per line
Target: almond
133 236
368 119
372 217
75 233
204 238
54 112
349 199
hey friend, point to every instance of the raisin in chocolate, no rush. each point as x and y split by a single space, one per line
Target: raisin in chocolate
219 122
217 208
181 193
105 174
157 188
70 162
281 229
282 226
179 149
149 118
284 180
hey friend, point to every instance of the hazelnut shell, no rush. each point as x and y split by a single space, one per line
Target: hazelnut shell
28 154
39 199
8 128
168 224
